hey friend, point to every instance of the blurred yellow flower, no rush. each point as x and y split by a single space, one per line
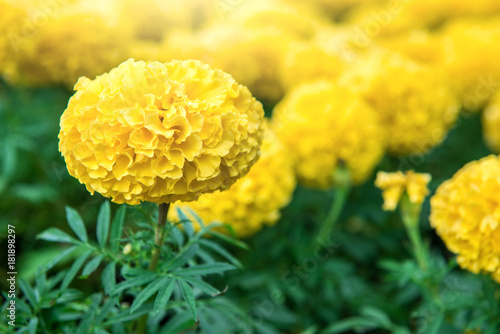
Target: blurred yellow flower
160 132
256 199
414 101
491 123
393 185
76 39
465 211
320 124
471 56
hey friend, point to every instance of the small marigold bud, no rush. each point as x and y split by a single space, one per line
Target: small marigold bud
393 185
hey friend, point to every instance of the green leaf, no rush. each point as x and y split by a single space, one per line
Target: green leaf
163 297
89 316
188 296
206 269
105 310
91 266
377 315
32 325
203 286
354 323
49 265
221 251
117 228
56 235
108 278
178 324
230 240
73 270
195 216
76 223
147 292
136 281
185 221
183 257
100 331
29 293
103 221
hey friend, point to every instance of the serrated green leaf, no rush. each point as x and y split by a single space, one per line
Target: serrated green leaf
163 296
91 266
147 292
108 278
103 222
117 228
56 235
73 270
222 252
195 216
185 221
354 323
178 236
229 240
89 316
76 223
105 310
203 286
377 315
100 331
29 293
188 296
205 269
136 281
183 257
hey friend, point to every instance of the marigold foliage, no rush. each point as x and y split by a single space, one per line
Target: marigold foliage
491 123
393 185
148 131
415 103
324 125
256 199
465 211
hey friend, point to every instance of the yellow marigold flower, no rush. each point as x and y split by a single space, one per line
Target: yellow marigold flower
418 45
75 40
471 57
491 123
310 61
320 125
465 211
256 199
160 132
393 185
414 101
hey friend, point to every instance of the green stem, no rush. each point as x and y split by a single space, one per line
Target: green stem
159 234
342 182
410 214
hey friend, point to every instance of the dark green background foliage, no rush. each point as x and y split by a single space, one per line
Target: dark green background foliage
363 279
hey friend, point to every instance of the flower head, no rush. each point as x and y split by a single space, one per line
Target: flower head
319 123
414 101
393 185
160 132
254 200
465 211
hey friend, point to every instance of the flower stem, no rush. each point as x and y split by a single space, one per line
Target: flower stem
159 234
410 214
342 180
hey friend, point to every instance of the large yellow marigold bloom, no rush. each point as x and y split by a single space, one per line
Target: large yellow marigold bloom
160 132
465 211
491 123
320 125
393 185
414 101
471 57
256 199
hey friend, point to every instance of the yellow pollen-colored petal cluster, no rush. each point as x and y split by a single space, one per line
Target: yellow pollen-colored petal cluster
393 185
256 199
324 125
491 123
465 211
160 132
415 103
